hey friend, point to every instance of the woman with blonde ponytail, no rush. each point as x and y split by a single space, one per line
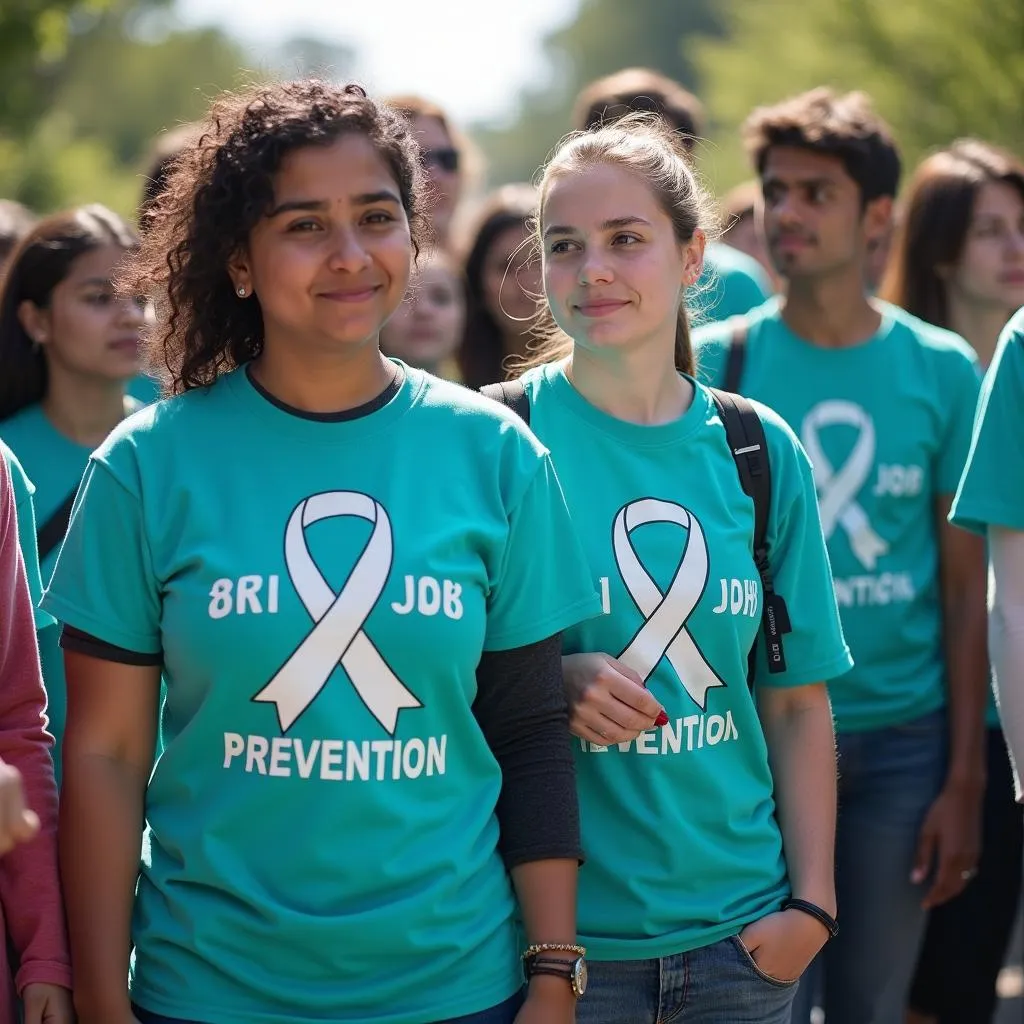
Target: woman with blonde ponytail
707 818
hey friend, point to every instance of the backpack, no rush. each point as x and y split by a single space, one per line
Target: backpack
744 432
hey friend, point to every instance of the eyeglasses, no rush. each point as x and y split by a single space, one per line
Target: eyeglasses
446 159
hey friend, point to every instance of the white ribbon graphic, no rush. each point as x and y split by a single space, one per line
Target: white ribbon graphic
338 634
664 632
837 491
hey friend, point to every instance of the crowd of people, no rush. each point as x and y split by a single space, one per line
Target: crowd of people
677 676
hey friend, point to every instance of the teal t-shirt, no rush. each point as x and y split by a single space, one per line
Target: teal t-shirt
887 426
322 840
55 465
25 511
53 462
144 389
991 491
732 284
679 827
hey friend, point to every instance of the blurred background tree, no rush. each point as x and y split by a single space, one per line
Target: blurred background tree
936 69
604 36
85 85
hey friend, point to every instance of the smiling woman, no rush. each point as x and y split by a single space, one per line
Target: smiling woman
700 914
344 570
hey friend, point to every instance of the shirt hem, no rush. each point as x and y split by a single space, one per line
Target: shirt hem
979 518
600 950
846 724
820 673
483 999
73 616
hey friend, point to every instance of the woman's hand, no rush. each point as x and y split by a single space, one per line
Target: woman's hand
47 1004
549 1000
608 702
17 823
784 943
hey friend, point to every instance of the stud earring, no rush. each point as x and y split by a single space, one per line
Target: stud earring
241 292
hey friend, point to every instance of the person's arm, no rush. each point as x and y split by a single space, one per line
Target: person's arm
521 710
797 724
950 838
1006 641
108 756
29 880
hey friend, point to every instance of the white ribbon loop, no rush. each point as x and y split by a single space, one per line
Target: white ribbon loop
837 491
338 634
664 633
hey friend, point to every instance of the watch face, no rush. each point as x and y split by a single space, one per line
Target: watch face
579 977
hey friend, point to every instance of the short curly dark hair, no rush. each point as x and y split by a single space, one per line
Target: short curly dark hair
219 188
842 126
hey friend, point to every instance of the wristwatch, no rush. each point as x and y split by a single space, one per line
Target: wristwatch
574 971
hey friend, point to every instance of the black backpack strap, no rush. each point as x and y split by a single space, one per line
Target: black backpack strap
736 357
511 393
51 533
745 433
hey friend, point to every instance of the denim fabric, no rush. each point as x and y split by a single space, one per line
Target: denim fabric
888 778
719 984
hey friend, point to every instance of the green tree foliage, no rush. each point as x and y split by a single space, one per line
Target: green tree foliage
123 74
34 36
937 69
605 36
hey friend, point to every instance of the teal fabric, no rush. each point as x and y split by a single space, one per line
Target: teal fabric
683 847
887 424
991 491
47 633
321 831
732 284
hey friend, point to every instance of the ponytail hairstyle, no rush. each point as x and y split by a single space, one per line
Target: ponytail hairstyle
647 147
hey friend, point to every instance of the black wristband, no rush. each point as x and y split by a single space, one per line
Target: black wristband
822 916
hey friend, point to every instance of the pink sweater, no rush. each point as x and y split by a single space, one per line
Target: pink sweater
31 908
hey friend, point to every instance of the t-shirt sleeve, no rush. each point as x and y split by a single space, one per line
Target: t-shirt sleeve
961 399
730 286
991 492
104 583
543 584
815 650
26 513
710 352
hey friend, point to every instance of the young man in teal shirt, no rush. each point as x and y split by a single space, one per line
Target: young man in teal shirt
884 405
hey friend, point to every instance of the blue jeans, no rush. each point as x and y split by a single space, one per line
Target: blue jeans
505 1013
719 984
888 778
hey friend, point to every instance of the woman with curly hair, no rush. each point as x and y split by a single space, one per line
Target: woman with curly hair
352 577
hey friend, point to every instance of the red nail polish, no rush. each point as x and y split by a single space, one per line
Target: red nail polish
661 720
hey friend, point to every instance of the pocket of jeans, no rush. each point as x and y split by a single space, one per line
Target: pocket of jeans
749 961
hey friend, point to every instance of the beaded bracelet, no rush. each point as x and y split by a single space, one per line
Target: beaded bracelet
553 947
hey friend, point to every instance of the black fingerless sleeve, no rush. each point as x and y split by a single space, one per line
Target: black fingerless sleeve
521 709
